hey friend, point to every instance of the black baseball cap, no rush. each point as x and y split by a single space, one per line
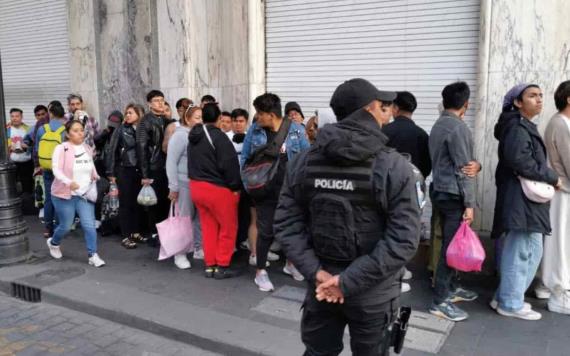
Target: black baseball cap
355 94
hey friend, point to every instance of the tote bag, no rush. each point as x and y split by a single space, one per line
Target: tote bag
175 234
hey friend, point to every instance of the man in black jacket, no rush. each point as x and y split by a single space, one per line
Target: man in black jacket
348 217
151 158
407 137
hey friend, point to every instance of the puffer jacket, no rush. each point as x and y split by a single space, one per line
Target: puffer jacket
376 275
521 153
122 150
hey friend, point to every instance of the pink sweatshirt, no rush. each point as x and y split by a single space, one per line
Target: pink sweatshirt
62 162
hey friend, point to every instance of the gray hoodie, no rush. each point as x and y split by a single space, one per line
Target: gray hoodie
177 158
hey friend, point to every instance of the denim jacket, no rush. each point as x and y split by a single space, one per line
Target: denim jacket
295 142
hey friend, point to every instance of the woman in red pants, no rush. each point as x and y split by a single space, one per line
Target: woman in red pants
215 181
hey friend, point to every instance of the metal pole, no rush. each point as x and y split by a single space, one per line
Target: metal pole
14 246
3 136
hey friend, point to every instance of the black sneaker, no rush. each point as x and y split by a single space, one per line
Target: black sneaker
223 273
209 272
448 311
462 295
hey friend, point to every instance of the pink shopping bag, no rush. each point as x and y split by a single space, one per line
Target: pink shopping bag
465 252
175 234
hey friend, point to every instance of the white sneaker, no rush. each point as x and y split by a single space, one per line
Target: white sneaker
521 314
54 251
494 305
407 274
542 292
275 246
559 303
96 261
253 261
406 287
272 256
292 271
263 282
181 261
198 254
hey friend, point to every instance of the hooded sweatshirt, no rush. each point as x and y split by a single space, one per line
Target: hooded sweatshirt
215 162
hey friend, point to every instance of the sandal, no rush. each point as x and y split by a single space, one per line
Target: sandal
128 243
138 238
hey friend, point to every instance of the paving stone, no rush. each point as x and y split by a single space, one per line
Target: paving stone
424 340
280 308
430 322
290 293
28 333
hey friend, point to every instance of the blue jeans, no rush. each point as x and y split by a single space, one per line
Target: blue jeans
49 214
522 252
66 210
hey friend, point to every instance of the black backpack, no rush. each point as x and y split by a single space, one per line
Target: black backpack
259 170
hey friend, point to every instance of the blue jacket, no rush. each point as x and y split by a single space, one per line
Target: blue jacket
295 142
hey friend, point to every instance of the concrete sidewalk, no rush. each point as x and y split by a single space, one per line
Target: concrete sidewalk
232 317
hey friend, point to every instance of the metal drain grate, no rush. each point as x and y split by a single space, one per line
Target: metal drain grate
26 293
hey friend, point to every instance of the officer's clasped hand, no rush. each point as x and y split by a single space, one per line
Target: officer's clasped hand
328 288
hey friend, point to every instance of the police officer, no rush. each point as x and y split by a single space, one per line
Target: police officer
349 219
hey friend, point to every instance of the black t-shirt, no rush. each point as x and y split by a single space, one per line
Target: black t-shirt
280 175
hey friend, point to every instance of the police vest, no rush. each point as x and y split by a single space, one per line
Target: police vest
345 219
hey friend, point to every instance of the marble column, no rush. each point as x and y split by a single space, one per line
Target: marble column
125 48
112 53
83 47
256 46
203 50
520 41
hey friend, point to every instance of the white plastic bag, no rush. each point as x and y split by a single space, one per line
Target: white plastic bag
147 196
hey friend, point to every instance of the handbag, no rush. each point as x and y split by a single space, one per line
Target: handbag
260 169
175 234
91 193
538 192
535 191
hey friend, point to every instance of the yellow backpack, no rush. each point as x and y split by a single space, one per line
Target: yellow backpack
47 144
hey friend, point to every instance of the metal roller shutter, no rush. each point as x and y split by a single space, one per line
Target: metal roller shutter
415 45
34 43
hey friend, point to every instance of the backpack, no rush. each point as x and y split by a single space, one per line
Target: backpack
260 169
49 140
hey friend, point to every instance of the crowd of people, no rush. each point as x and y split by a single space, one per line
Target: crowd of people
197 162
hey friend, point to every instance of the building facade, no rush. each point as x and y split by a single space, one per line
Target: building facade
113 52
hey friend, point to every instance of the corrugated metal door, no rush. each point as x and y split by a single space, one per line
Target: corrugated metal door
34 43
415 45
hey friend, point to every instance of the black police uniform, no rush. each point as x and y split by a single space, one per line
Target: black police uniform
349 206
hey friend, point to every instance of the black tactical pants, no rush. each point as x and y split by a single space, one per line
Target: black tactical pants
323 324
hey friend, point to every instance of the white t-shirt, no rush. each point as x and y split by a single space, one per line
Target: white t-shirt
82 169
17 135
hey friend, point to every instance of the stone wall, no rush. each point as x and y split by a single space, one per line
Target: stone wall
521 41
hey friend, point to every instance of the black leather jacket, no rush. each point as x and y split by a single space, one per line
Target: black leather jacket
122 150
150 134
